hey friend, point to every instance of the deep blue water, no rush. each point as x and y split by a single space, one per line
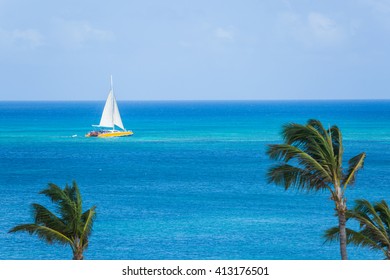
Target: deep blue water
190 183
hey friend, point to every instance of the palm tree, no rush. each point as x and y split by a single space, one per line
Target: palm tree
72 227
311 159
374 226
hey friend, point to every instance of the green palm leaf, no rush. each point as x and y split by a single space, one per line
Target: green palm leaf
383 210
311 159
72 226
355 164
374 227
353 237
337 144
44 217
306 137
290 176
45 233
87 218
284 152
63 201
371 223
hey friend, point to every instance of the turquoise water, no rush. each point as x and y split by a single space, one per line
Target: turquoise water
190 183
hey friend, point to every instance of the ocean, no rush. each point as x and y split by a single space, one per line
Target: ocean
189 184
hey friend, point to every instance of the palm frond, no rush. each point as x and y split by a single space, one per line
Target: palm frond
55 193
373 229
315 152
311 158
285 152
370 221
323 146
355 164
317 125
74 195
383 210
312 142
326 136
45 217
337 143
332 234
72 226
78 199
61 198
290 176
68 203
353 237
47 234
87 219
367 214
362 207
360 239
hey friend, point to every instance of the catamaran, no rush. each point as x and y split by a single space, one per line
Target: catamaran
111 123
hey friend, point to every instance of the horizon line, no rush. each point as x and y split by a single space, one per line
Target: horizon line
198 100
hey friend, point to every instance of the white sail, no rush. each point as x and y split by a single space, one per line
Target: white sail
111 115
116 115
107 116
111 123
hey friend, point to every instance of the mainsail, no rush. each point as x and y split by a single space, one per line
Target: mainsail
111 116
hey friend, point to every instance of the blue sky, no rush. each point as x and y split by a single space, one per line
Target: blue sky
195 50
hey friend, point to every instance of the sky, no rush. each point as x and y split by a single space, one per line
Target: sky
194 50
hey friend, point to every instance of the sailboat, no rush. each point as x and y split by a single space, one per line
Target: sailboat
111 123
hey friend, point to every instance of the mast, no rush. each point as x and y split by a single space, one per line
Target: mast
111 116
113 103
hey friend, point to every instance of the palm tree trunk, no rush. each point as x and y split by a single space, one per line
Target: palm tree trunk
343 233
78 255
341 209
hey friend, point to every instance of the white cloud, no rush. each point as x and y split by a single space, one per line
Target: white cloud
21 38
32 37
380 10
287 3
314 29
185 44
380 6
73 33
224 34
324 29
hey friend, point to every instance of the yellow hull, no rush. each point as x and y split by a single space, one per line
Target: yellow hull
106 134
